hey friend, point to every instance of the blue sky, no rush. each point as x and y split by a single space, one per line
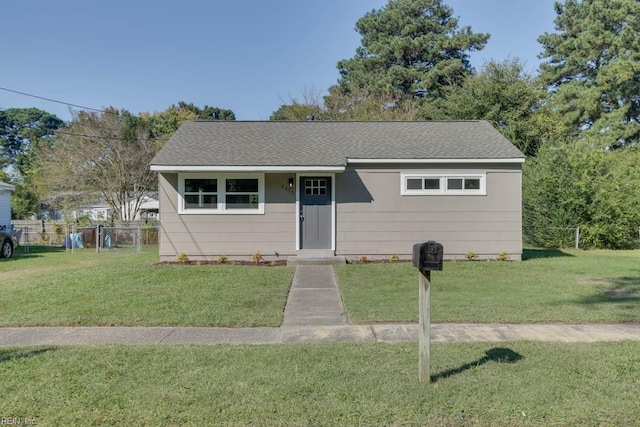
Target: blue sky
249 56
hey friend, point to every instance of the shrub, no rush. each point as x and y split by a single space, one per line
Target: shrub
59 230
471 256
363 259
257 257
182 257
503 256
395 258
580 184
222 259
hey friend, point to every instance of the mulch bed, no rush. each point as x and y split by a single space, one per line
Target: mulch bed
277 263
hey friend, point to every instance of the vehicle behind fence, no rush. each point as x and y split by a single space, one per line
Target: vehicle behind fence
121 238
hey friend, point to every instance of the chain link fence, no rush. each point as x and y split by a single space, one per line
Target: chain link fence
552 237
123 238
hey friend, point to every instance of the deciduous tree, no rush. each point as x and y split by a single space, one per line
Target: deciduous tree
106 154
505 95
298 111
165 123
22 132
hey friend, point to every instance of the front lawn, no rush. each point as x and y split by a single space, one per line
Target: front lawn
548 286
58 288
55 288
483 384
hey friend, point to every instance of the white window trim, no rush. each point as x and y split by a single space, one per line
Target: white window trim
443 191
221 209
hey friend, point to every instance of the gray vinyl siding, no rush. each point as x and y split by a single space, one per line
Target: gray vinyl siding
374 219
210 236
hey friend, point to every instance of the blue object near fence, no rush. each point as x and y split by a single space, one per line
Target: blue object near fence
73 240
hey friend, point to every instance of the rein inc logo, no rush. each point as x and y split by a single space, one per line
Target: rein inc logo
18 421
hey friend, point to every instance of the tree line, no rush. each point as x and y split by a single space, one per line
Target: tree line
577 120
97 156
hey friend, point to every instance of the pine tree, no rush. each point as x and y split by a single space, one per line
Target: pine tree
593 68
410 49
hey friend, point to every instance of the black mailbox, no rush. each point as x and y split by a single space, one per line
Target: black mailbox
428 256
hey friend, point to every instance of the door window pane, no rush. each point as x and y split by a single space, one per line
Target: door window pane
315 186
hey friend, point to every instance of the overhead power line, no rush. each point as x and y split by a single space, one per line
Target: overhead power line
107 137
78 106
56 101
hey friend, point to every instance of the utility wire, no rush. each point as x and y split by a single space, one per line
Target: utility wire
56 101
108 137
78 106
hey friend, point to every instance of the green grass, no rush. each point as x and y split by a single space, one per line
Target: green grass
54 288
511 384
549 286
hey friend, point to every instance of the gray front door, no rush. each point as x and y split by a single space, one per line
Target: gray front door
315 212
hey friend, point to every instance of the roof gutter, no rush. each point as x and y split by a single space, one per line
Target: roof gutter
163 168
437 161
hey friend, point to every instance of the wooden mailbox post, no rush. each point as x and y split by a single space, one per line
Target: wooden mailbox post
426 257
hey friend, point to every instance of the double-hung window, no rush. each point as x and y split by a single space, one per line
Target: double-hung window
443 184
221 193
200 193
242 193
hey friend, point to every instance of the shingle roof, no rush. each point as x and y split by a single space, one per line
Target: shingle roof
327 143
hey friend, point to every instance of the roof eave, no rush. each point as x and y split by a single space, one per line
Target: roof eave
510 160
274 169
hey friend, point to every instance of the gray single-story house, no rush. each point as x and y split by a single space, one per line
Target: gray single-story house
345 189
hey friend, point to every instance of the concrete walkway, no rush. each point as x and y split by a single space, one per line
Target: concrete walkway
314 298
314 313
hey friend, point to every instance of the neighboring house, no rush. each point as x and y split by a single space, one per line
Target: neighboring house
102 211
5 205
97 211
149 208
349 189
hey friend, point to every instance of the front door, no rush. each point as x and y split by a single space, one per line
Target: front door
315 212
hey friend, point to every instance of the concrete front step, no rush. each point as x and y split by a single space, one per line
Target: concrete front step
315 257
332 260
315 253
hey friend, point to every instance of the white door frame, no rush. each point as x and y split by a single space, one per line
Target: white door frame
333 205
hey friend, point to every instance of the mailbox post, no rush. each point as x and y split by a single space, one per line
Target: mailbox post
426 257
